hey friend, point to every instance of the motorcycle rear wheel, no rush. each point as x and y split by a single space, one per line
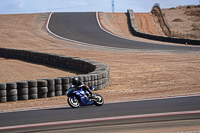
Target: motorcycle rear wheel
74 103
100 102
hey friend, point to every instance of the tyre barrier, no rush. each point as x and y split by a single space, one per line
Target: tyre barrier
32 89
22 90
51 87
95 74
42 88
3 93
58 86
11 88
65 84
135 31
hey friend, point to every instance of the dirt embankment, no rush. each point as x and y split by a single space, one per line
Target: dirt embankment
148 23
134 75
157 14
184 21
117 23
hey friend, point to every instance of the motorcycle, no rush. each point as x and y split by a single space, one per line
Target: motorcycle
79 97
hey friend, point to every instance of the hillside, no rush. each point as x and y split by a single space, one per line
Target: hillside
184 21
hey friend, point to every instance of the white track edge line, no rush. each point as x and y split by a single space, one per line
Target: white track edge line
100 119
47 28
87 44
100 25
98 21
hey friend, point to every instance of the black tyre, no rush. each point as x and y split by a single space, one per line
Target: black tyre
3 93
51 88
50 82
11 85
58 88
73 103
23 97
51 94
3 99
22 91
42 92
42 95
22 84
33 96
42 89
65 88
42 83
2 86
65 80
32 90
11 92
32 83
58 81
12 98
58 93
99 101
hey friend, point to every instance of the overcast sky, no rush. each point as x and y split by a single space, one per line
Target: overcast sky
40 6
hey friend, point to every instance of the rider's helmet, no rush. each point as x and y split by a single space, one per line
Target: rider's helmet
76 82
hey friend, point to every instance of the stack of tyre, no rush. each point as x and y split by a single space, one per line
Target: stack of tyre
3 93
96 74
22 90
32 89
42 88
58 87
11 89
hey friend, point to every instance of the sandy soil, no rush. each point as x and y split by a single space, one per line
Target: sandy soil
117 23
134 75
148 23
184 21
14 70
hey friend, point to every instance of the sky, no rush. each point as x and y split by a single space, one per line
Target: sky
41 6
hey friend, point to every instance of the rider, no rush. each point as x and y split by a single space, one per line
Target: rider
78 84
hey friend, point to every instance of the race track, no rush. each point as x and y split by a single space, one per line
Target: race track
84 27
145 111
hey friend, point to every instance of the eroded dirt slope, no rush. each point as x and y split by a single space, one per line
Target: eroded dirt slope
117 23
184 21
148 23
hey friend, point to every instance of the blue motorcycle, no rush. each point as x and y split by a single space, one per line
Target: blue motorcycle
79 97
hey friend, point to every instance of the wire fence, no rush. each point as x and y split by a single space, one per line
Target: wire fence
184 34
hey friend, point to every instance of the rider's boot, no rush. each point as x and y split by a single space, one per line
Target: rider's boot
92 96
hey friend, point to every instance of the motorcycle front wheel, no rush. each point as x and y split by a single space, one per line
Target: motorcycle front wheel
73 102
99 101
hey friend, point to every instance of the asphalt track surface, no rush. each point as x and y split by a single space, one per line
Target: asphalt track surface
84 27
155 110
